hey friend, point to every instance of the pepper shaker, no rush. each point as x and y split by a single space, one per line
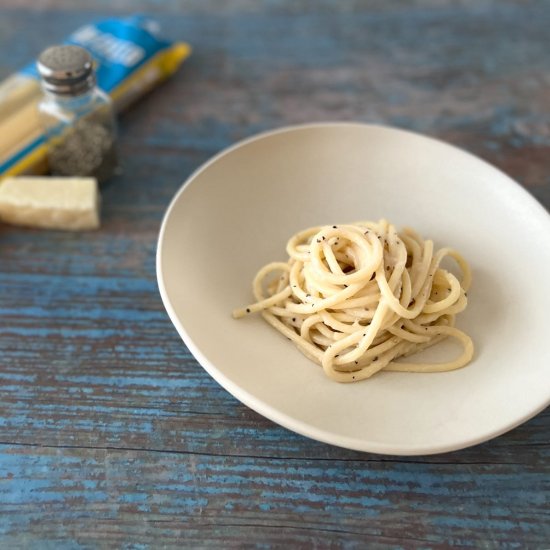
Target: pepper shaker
78 117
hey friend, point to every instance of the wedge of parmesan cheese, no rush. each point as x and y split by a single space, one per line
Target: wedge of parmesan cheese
50 202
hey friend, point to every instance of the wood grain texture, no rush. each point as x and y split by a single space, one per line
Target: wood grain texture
111 434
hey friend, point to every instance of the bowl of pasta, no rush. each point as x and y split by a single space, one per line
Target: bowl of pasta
365 286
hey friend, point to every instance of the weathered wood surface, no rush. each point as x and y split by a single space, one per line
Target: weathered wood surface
111 434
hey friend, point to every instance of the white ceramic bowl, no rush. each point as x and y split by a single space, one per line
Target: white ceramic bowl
236 213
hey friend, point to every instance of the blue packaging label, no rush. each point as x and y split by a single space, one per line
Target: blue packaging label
119 47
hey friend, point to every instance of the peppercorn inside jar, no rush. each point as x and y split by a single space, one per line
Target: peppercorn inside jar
77 117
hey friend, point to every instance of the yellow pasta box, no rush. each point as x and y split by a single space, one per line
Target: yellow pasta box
131 58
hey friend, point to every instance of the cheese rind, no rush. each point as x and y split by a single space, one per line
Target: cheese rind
55 203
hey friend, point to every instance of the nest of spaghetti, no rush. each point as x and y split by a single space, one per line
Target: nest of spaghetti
356 298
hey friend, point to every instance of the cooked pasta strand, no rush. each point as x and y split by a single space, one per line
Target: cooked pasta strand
355 298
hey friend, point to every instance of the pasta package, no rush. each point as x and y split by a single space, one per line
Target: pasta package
131 58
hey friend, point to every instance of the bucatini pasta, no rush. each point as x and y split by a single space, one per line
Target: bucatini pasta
131 58
355 298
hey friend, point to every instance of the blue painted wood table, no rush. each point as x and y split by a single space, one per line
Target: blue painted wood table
111 434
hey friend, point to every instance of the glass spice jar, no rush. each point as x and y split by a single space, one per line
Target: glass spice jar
78 118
